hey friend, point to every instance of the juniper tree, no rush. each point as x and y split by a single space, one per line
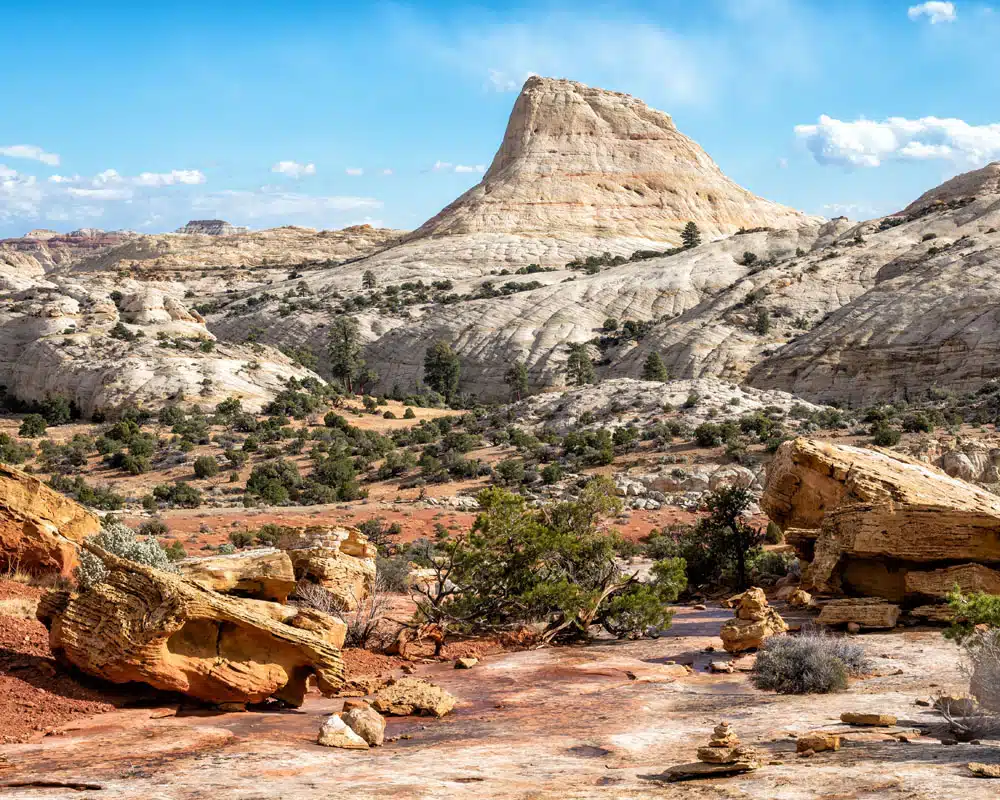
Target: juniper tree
516 378
691 236
654 369
442 369
579 367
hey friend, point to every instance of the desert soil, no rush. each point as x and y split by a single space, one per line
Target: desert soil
597 721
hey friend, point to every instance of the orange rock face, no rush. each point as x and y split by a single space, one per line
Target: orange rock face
175 634
35 524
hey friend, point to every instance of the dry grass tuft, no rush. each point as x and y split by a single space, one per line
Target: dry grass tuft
18 607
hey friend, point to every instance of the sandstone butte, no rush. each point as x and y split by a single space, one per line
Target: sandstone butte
878 523
39 528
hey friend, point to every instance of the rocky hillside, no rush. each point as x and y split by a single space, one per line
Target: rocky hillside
581 209
105 343
929 319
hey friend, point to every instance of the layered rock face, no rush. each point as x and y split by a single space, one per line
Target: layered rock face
141 624
38 527
264 574
213 247
339 559
873 522
595 163
930 318
211 227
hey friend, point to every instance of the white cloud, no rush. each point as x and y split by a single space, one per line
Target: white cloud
441 165
293 169
387 171
499 81
782 163
64 179
934 11
355 171
867 143
100 194
31 152
189 177
464 168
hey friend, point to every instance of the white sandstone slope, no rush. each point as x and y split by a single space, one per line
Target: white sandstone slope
55 339
930 319
576 160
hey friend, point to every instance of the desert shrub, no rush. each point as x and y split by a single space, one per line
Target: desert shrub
510 471
808 664
274 482
551 473
226 549
32 426
394 572
917 422
769 565
555 565
177 494
14 452
884 435
311 595
175 551
381 534
241 539
153 527
236 458
409 414
99 497
271 535
206 467
121 541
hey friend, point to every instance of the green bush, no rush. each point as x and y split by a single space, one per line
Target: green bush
206 467
274 482
241 539
884 435
807 664
409 413
551 473
32 426
554 566
774 534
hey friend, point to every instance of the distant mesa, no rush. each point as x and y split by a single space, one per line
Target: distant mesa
211 227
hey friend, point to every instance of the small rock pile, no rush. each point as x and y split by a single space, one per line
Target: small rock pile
755 621
724 755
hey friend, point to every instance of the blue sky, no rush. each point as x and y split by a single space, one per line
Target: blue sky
118 115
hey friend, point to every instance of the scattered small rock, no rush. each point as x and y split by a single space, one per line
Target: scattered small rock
466 662
984 770
406 696
817 741
336 733
880 720
700 607
367 723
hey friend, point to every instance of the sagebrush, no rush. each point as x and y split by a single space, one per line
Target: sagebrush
808 664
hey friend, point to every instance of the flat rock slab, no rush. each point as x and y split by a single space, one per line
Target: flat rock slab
699 769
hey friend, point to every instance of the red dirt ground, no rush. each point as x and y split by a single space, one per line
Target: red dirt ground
37 694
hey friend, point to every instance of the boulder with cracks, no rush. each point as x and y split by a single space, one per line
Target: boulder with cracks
175 634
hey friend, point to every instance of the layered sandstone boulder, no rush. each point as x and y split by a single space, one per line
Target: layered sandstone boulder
173 633
340 559
38 527
264 574
874 522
